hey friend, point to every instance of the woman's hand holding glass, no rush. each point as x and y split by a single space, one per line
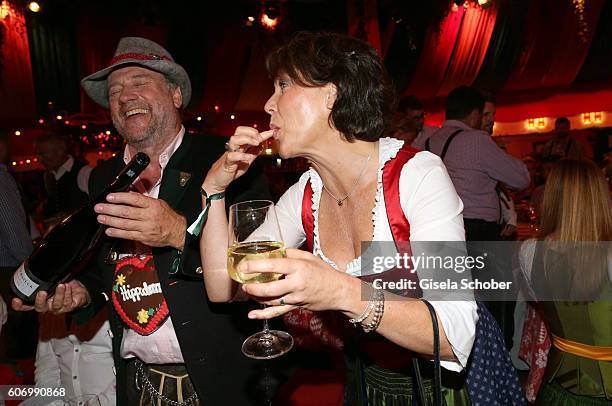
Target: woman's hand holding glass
254 234
308 282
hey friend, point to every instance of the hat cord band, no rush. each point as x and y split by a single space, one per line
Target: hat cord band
142 57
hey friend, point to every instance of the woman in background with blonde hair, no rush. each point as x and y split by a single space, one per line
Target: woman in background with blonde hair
570 273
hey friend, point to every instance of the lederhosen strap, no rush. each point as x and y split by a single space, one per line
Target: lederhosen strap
449 140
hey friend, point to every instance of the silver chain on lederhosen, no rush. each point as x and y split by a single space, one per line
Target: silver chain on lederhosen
143 382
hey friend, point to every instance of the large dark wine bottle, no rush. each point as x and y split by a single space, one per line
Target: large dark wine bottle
63 251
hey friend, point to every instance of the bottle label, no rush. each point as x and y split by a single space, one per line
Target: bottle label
23 282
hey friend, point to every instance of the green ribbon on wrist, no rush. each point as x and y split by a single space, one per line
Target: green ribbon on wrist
196 228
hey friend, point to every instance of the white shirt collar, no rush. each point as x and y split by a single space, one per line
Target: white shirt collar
166 154
66 167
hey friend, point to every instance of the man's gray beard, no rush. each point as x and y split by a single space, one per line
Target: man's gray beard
151 137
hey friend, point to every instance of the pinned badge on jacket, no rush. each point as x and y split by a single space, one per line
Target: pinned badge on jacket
184 178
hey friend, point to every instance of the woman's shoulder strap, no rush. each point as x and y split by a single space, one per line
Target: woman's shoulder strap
307 215
400 228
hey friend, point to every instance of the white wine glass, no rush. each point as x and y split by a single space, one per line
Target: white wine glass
254 233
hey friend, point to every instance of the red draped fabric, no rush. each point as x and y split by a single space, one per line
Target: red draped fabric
555 103
225 72
470 48
453 52
437 52
553 51
570 49
16 81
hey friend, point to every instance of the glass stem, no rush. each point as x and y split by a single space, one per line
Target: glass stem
266 328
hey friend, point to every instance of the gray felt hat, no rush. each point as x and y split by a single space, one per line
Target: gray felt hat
140 52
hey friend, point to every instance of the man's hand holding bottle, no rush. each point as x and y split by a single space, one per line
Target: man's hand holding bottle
68 297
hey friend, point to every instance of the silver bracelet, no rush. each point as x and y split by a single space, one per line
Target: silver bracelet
379 309
366 312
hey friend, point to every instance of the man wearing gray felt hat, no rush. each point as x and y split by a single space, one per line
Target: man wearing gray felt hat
138 52
168 331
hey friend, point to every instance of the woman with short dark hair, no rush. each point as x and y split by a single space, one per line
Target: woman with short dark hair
331 105
364 100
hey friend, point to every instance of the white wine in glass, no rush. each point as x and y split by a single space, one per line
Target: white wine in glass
248 251
254 233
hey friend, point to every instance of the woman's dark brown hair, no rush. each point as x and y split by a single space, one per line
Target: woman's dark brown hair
365 100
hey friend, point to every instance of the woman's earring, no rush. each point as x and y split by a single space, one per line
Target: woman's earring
327 102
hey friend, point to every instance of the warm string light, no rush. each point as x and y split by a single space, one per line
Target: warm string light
583 27
267 22
34 7
99 141
27 161
102 141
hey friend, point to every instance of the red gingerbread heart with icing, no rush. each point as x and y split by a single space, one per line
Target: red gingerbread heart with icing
137 295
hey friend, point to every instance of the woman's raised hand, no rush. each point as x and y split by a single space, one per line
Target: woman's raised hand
242 149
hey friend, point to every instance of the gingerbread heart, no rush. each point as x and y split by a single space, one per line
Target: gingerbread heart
137 295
